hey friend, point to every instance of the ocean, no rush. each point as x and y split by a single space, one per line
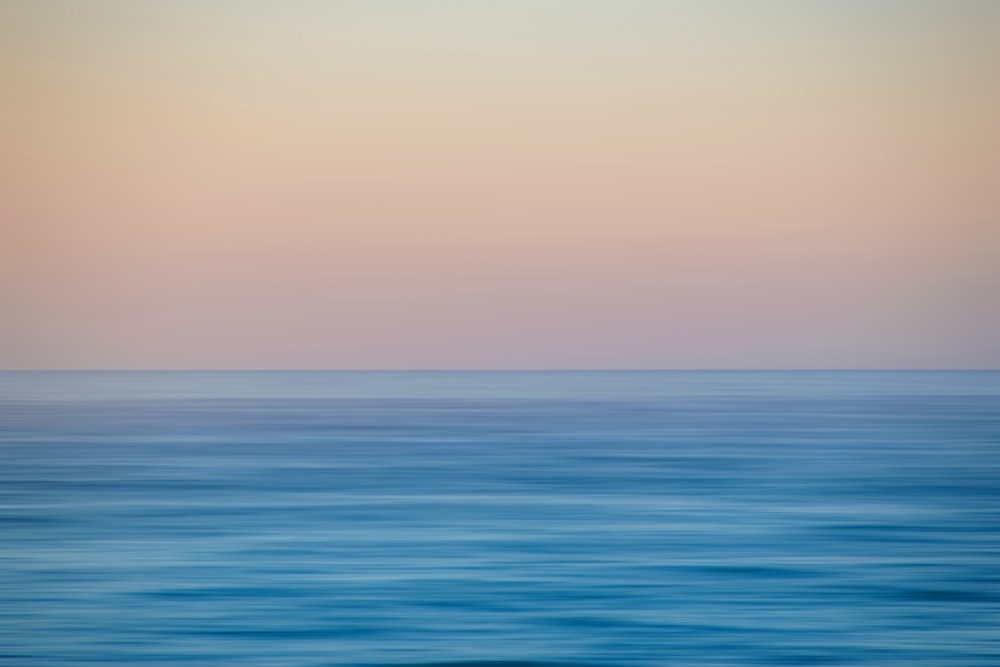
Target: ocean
368 519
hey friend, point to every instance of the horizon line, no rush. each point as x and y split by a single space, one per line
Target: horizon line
496 370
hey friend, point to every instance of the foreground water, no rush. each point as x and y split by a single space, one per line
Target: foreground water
653 519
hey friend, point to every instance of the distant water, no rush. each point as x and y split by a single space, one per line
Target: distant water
654 519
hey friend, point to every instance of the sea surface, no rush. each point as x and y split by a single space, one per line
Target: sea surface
364 519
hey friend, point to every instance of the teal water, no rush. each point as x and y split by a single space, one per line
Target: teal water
654 519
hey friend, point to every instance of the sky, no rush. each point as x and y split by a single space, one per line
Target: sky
525 184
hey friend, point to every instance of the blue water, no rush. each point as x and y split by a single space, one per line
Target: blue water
652 519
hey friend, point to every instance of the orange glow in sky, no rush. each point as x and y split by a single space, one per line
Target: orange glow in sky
522 184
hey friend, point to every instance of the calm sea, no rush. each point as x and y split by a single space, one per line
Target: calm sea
649 519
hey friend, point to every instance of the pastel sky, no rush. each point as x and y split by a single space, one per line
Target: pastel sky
509 184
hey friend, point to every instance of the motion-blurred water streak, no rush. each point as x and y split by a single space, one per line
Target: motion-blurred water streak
315 519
